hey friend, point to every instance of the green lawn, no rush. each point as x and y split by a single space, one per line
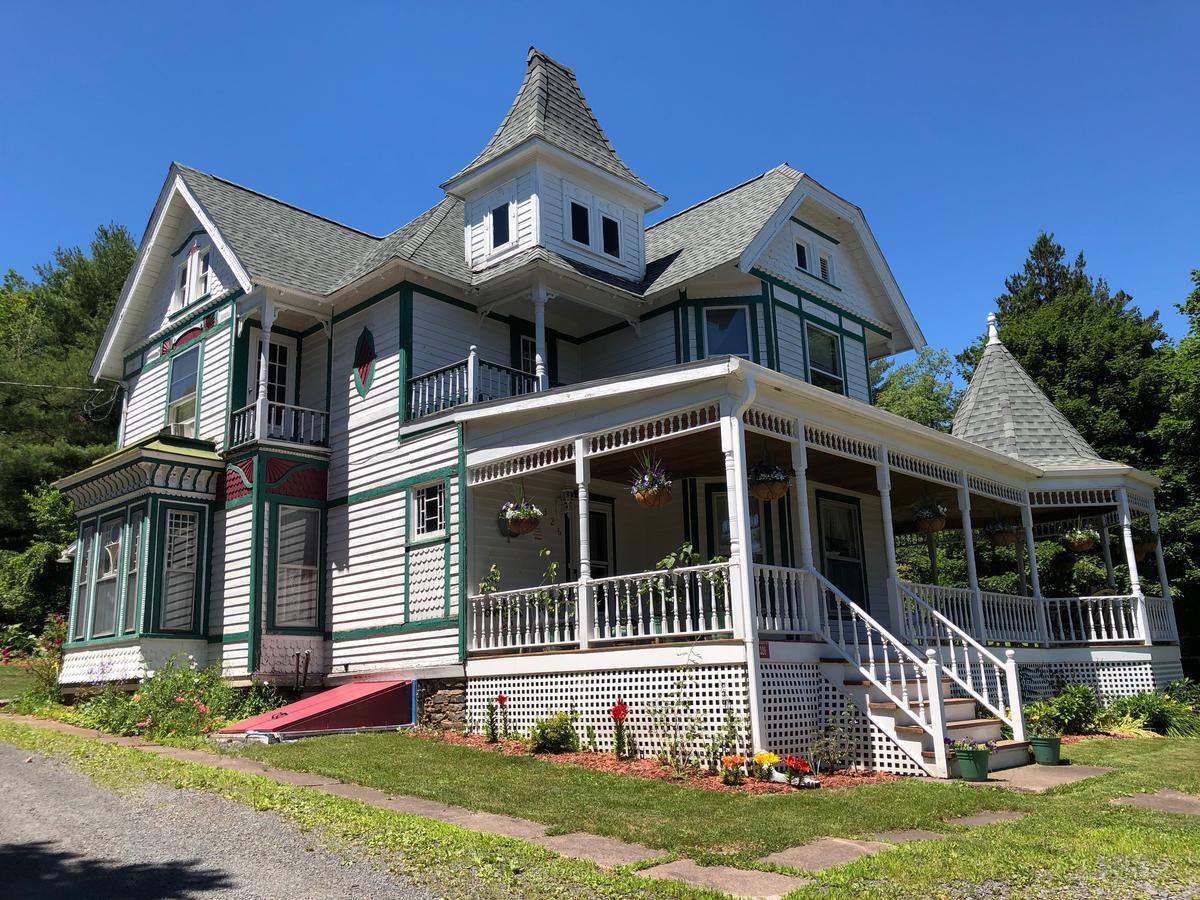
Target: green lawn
14 679
1073 838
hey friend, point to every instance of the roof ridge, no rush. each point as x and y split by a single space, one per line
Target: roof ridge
426 231
721 194
273 199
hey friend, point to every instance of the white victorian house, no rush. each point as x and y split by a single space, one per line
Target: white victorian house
321 426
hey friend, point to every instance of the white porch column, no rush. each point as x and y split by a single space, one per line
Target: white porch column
883 480
741 555
1043 621
583 473
803 530
1106 552
539 335
968 535
264 358
1135 581
1163 580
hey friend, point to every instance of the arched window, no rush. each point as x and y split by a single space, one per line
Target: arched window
364 363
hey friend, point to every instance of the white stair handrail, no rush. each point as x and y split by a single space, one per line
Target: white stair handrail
997 687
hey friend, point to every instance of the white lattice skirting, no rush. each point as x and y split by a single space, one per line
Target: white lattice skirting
706 693
1109 679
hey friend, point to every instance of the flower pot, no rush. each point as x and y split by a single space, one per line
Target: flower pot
1003 538
1047 751
522 526
1081 546
768 490
929 526
653 497
973 764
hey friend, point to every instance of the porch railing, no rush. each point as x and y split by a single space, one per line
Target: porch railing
1162 625
1010 618
779 599
471 380
283 422
1093 620
531 618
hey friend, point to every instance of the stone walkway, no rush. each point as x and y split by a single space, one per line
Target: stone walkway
1034 779
606 852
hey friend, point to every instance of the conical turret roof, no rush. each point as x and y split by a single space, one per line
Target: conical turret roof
550 105
1003 409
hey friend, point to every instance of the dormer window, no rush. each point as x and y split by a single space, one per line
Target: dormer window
610 235
501 226
802 256
193 278
581 224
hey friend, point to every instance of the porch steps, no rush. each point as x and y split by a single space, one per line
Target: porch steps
1009 754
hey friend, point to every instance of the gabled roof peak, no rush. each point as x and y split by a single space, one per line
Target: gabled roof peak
550 106
1003 409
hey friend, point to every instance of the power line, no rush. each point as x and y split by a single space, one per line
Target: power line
54 387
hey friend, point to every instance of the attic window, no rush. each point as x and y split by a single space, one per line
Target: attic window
193 278
581 226
802 257
610 235
501 226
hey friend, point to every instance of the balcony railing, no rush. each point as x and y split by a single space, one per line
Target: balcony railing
472 380
282 422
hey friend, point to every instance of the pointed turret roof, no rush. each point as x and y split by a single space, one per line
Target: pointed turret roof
549 105
1003 409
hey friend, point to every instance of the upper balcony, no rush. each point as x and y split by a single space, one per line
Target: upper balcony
471 380
280 423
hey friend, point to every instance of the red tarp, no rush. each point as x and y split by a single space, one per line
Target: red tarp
359 704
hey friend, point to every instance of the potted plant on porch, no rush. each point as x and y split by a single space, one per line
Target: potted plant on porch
521 515
1045 733
1081 539
1001 534
1144 542
972 756
929 516
650 487
768 481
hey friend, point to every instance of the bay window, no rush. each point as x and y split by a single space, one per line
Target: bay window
297 567
83 581
133 570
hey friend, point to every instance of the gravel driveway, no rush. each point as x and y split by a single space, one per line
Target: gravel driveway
61 835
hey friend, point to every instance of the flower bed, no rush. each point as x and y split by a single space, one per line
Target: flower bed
649 768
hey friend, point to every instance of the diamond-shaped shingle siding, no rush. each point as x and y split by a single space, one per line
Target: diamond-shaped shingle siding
1003 409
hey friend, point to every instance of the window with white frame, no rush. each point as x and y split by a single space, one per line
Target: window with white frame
429 509
727 331
580 223
180 560
193 278
825 359
132 571
528 354
610 236
83 580
297 561
181 396
501 226
108 570
802 255
826 267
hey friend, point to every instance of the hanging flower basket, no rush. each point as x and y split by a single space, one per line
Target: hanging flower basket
520 515
1001 534
1081 540
929 517
650 487
768 482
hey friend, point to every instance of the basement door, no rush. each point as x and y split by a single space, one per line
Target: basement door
839 523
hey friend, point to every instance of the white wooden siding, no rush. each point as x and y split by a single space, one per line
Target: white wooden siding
229 596
443 334
517 191
214 387
570 362
365 554
856 369
146 403
550 210
623 352
314 351
436 647
790 339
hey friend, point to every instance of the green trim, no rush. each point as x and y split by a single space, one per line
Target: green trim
187 240
813 298
240 501
233 637
410 543
816 231
200 579
199 301
397 628
360 384
177 327
393 487
255 599
369 302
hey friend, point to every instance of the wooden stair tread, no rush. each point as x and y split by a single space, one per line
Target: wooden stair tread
950 726
1000 745
947 701
864 682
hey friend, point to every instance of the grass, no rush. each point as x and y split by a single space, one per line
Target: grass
15 679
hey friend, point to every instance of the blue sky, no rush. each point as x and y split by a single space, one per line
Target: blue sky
960 130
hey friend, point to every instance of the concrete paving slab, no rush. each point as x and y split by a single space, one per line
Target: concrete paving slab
825 853
905 836
358 792
417 806
509 826
1035 779
299 779
988 817
605 852
738 882
1164 801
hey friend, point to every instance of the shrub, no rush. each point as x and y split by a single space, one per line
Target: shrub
1041 719
1157 712
15 641
1185 691
1076 709
554 735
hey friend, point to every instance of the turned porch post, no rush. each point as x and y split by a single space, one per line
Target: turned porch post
1162 575
539 335
264 359
883 480
968 536
812 612
586 612
1039 605
741 553
1135 581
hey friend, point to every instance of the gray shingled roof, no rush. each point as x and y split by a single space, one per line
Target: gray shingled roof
433 239
1003 409
714 231
549 105
276 241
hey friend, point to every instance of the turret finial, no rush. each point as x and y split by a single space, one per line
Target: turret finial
993 333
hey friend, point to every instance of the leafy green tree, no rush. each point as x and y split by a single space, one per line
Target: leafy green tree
922 390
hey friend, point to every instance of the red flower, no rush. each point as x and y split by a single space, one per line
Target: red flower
797 764
501 699
619 711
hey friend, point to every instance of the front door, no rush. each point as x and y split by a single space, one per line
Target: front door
842 562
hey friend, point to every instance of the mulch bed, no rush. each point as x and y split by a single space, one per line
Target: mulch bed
1076 738
651 769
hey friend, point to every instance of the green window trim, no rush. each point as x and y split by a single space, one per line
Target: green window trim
415 542
200 576
364 362
82 609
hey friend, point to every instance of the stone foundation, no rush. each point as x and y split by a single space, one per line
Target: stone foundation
442 703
